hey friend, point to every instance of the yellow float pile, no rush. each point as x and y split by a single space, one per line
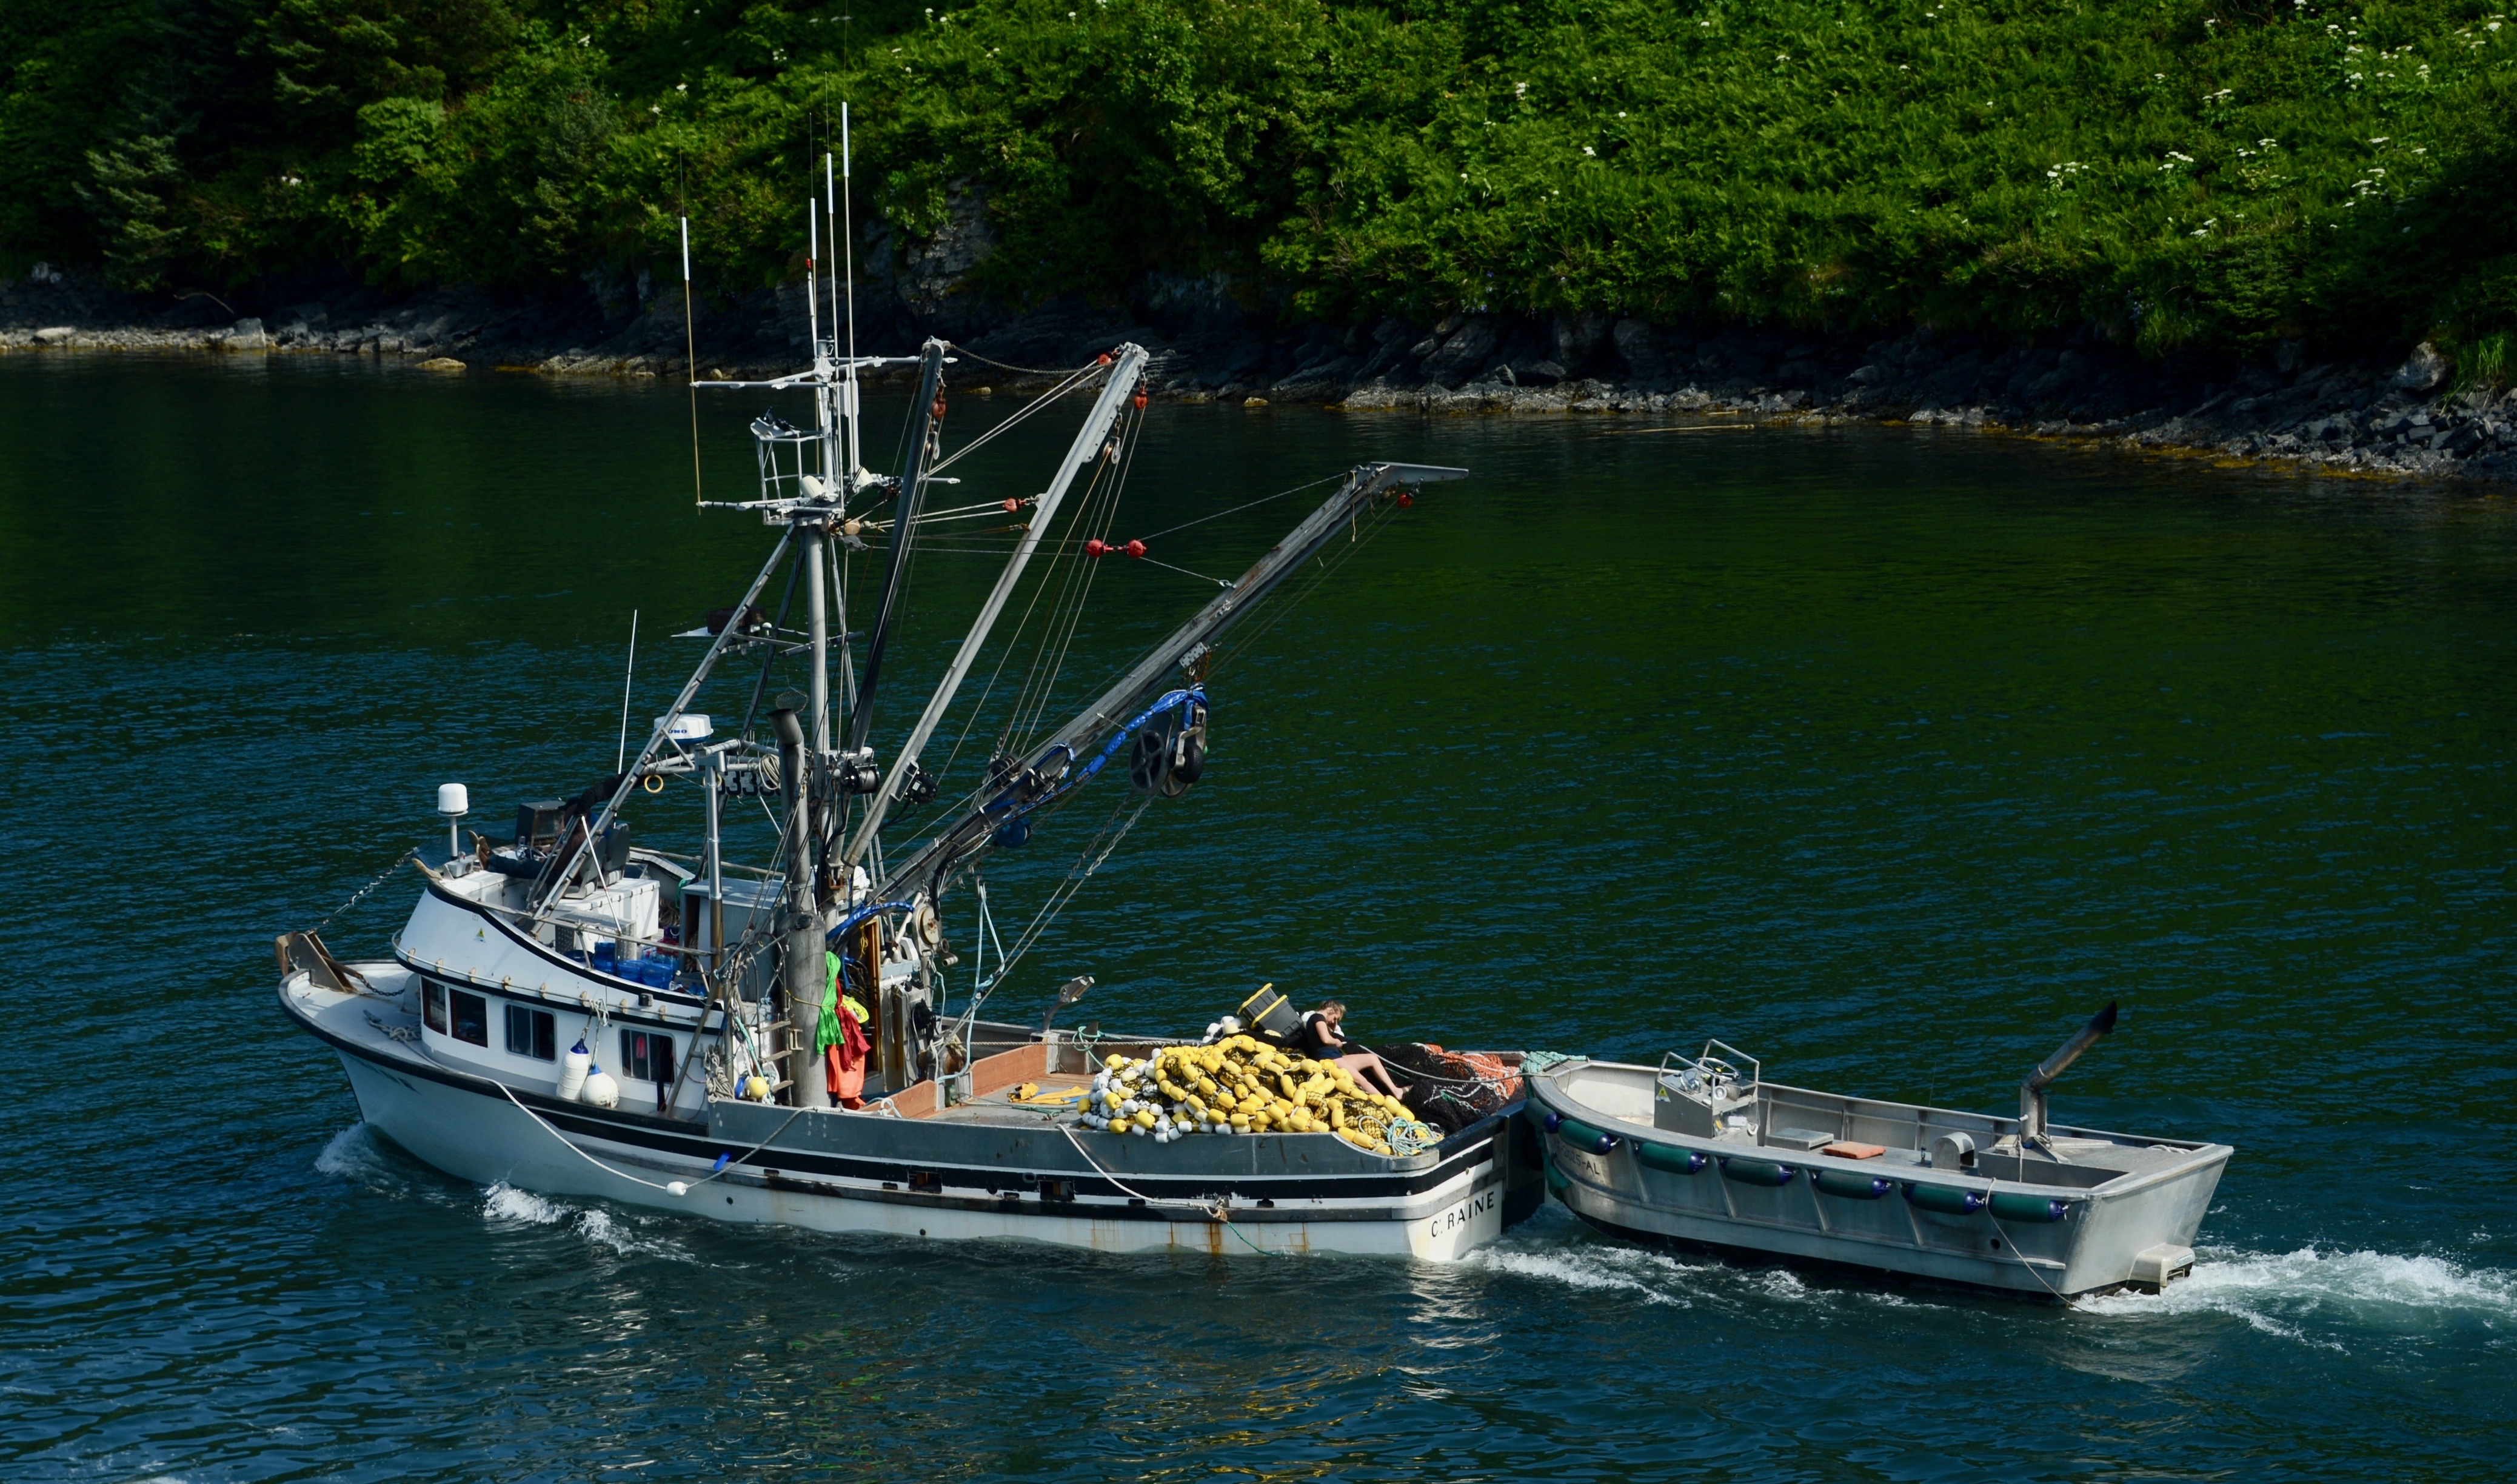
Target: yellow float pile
1241 1085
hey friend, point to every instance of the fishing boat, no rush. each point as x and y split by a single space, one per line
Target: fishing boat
797 1039
1700 1151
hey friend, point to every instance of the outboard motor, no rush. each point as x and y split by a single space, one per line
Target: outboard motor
2031 1092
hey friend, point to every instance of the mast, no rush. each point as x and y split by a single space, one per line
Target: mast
818 625
1086 447
904 523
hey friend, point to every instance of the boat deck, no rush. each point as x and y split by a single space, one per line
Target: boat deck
999 1106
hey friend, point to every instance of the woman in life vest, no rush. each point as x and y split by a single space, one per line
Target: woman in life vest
1320 1041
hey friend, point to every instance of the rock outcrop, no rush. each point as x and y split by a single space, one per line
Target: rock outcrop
1215 339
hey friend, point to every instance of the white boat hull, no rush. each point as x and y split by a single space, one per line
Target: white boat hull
826 1170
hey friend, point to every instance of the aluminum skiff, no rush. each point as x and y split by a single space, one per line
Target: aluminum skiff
1669 1154
983 1168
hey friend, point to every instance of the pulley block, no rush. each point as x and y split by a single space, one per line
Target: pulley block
1170 753
919 788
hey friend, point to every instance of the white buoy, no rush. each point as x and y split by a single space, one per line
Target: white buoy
571 1070
600 1091
676 1188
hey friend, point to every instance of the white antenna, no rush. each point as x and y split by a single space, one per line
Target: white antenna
834 453
691 367
848 255
831 213
621 759
812 255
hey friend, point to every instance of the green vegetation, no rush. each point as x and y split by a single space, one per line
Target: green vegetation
2215 173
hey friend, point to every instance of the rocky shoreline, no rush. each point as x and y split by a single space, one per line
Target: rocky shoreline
2400 419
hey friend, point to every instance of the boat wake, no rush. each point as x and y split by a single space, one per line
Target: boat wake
1648 1276
503 1203
355 1155
349 1155
1574 1259
2283 1294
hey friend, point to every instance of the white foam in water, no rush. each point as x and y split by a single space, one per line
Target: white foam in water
1651 1276
2278 1292
504 1202
351 1155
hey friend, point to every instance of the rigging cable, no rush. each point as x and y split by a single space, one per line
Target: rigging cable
1081 871
1058 552
1064 623
1036 405
1027 370
361 895
785 601
1074 582
1324 571
1128 440
1250 505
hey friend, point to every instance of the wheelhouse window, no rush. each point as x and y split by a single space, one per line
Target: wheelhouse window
647 1055
471 1017
432 1003
531 1032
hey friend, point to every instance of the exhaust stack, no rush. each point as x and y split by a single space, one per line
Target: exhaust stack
2031 1092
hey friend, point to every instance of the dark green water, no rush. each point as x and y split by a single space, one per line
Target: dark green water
1884 756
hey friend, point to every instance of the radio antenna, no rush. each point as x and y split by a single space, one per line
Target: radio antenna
691 362
621 758
848 255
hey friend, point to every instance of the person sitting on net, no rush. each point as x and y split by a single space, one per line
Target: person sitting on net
1319 1039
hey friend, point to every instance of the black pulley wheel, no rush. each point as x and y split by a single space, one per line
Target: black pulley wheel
1149 762
1188 758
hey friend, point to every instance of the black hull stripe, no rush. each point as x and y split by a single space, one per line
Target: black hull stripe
1476 1144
